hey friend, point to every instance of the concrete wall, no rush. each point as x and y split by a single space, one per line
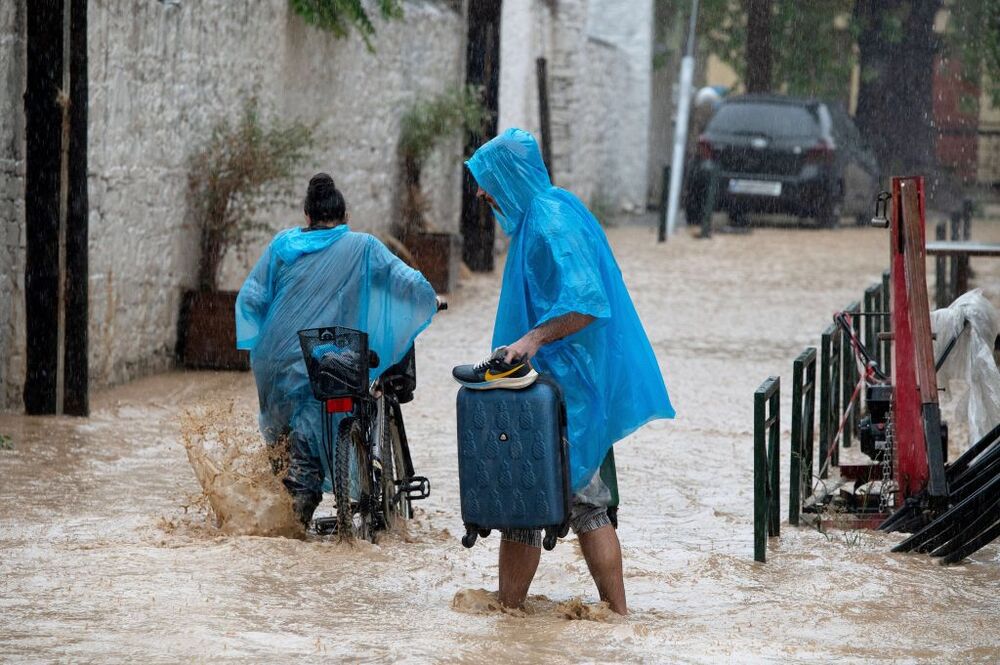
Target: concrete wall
11 202
600 57
161 76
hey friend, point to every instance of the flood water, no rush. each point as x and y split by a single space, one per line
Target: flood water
108 553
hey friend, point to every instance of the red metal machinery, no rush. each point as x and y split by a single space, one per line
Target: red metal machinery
916 415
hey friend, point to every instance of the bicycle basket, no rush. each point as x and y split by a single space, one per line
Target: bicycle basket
336 360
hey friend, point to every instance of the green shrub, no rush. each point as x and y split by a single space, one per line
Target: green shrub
228 177
428 122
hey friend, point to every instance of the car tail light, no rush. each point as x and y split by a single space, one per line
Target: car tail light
340 405
704 148
822 152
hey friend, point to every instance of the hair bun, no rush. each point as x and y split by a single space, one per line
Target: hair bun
322 181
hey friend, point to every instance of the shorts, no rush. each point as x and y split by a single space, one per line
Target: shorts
588 511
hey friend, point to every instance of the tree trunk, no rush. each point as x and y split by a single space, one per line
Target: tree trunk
482 69
895 99
759 56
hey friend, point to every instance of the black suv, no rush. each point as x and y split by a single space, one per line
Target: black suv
783 155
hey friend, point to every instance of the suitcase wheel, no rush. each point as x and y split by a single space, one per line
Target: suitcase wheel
469 539
563 530
549 541
484 532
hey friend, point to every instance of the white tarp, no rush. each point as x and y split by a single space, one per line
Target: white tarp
970 372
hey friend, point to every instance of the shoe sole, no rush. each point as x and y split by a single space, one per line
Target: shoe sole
510 383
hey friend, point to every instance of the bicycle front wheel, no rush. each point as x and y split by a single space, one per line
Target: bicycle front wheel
352 482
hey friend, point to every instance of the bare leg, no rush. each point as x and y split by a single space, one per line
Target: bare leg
603 553
518 563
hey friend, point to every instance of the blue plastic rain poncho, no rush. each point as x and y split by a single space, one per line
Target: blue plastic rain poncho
559 261
316 278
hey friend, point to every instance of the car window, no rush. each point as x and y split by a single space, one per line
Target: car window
764 118
844 127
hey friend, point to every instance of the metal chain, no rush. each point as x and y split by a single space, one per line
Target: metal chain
888 457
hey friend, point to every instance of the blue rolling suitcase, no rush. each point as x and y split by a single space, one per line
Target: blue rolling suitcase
513 464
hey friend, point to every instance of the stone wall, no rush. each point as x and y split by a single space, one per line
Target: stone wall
11 202
599 58
161 75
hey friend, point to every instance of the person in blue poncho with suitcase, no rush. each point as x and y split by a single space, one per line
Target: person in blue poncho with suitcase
564 307
321 275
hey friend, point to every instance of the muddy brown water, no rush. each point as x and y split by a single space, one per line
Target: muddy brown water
108 554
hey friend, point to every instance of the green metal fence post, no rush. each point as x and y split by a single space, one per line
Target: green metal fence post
766 431
774 460
803 416
829 397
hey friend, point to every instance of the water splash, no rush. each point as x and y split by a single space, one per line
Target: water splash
234 468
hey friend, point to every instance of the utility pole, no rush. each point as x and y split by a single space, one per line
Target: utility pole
681 129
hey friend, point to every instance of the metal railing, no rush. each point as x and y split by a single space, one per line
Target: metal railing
766 465
833 386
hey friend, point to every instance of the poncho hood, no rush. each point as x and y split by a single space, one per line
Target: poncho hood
511 170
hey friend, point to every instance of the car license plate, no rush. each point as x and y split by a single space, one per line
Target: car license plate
755 187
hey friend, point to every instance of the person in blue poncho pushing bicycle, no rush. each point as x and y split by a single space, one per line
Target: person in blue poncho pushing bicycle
564 306
321 275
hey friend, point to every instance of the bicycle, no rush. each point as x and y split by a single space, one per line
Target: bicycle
374 483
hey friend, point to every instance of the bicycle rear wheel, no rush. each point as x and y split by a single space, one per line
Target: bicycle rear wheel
352 482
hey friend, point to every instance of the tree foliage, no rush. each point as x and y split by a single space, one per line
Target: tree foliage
432 119
973 36
339 16
811 43
814 40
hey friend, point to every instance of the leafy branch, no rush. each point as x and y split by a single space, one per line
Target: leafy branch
339 16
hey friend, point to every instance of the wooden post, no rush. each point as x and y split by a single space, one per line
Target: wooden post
43 140
482 69
76 373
